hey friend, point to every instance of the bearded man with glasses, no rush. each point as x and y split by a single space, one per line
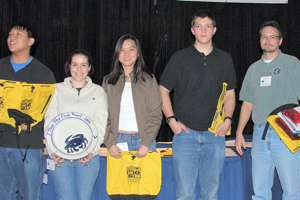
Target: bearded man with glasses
272 81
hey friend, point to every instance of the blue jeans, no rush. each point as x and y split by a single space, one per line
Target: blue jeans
27 176
268 154
133 141
198 153
75 181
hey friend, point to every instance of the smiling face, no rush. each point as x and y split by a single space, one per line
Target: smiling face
18 41
203 30
128 54
79 69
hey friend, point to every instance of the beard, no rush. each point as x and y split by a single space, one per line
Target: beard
269 49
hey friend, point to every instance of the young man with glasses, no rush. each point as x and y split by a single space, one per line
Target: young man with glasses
196 74
272 81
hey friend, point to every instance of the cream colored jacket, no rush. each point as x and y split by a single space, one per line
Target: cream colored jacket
90 101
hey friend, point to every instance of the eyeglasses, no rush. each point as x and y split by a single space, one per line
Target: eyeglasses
270 37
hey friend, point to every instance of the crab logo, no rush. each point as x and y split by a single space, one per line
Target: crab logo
277 71
26 104
76 142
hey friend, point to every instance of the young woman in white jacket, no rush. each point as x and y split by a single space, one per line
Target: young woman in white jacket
76 180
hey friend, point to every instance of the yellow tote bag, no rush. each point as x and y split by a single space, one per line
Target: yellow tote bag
29 99
219 114
5 87
130 177
293 145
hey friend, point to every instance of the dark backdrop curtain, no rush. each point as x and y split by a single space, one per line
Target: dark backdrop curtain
162 27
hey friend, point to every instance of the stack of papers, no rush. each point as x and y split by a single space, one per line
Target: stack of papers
291 119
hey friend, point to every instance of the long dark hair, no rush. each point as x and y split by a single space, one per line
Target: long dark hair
139 67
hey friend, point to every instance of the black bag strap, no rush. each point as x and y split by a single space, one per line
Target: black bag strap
21 118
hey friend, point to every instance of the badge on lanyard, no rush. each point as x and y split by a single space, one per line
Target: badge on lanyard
123 146
265 81
50 164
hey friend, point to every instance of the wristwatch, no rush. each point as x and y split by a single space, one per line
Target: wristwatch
227 118
169 118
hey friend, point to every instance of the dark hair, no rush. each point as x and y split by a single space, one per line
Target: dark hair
139 67
79 52
30 32
202 14
273 24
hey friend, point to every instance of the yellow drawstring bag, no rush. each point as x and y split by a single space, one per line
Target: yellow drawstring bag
292 145
219 114
133 178
5 87
29 99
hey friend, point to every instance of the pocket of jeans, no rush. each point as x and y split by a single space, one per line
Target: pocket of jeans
177 134
254 128
181 133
